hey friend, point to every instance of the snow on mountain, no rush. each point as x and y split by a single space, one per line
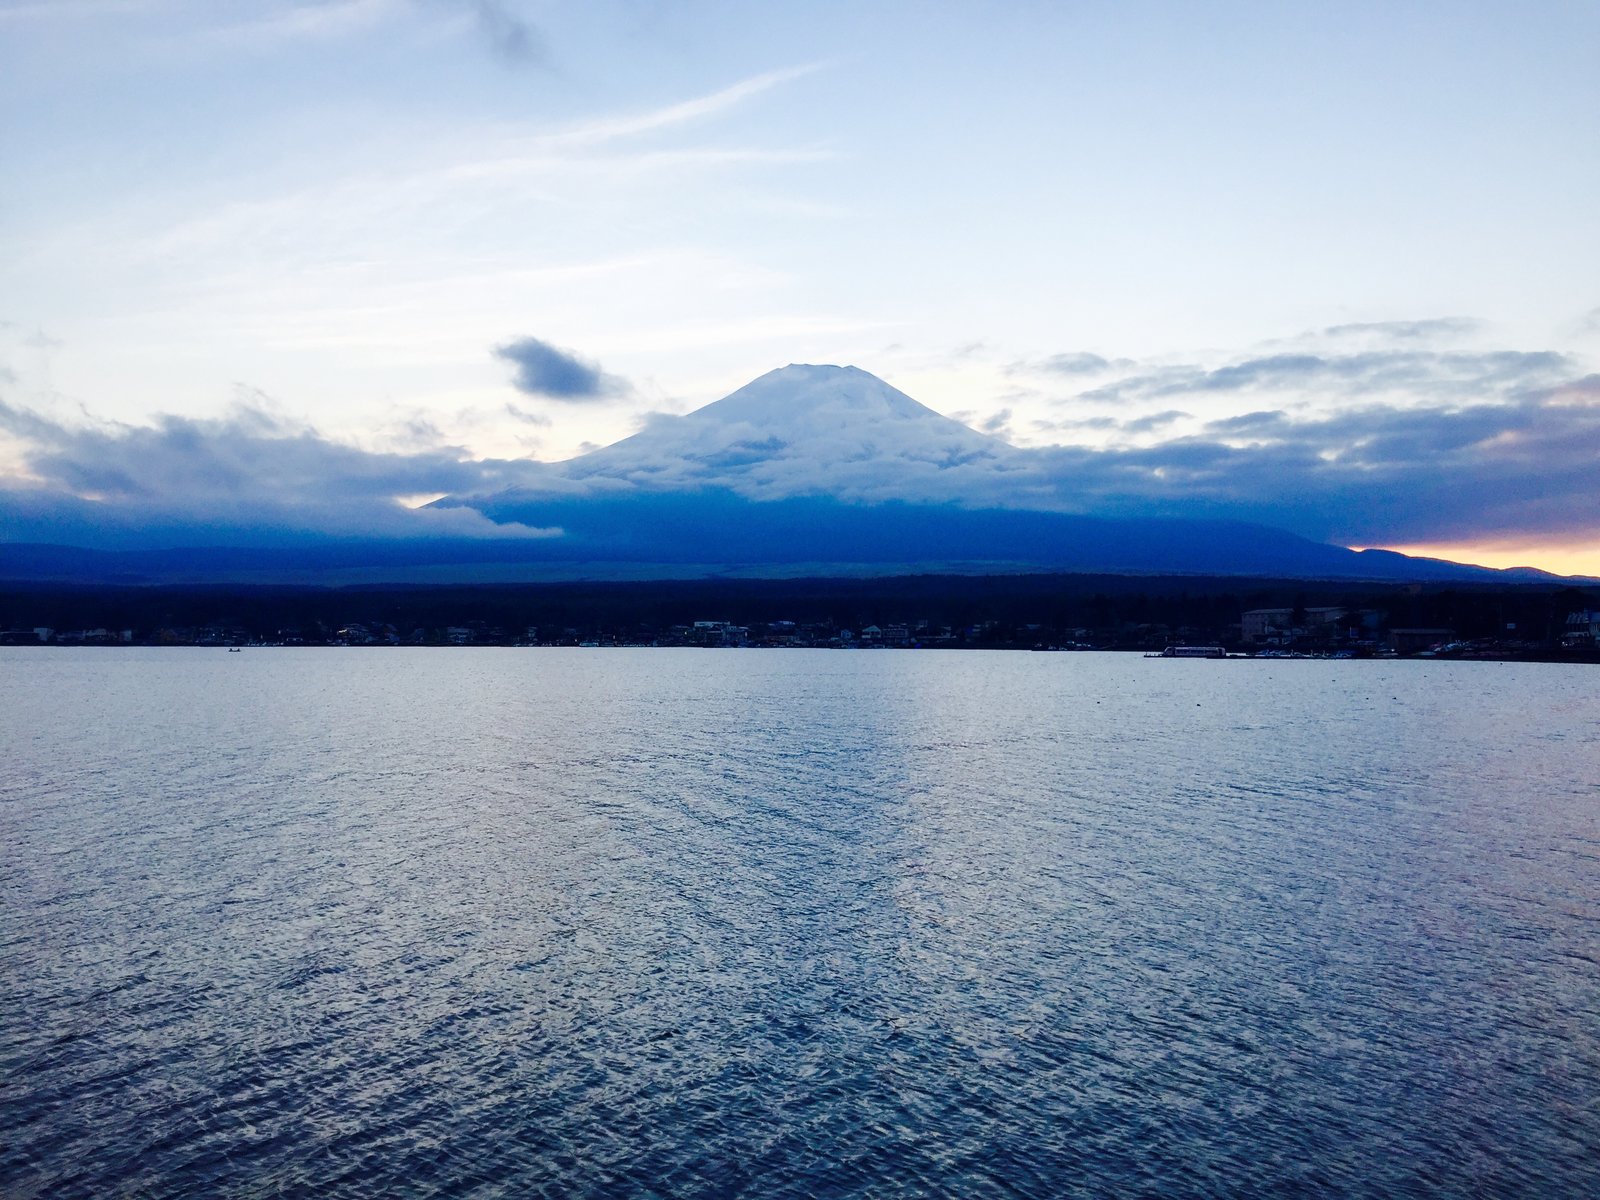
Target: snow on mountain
826 465
807 470
807 430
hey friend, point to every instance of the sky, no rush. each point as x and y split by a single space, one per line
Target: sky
1338 265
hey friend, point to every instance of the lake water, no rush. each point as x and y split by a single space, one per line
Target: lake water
795 923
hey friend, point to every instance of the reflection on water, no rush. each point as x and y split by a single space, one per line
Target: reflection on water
507 923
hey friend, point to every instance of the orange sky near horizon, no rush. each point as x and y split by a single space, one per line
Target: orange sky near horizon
1559 558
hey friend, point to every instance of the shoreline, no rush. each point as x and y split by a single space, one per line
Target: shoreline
1581 657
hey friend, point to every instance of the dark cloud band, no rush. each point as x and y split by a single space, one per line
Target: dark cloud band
1519 461
248 476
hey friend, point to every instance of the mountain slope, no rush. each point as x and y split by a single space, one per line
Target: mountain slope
801 430
831 466
808 470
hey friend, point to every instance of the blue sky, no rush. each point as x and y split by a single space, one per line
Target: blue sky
1114 228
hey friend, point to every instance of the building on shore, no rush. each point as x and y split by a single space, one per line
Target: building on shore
1273 625
1582 628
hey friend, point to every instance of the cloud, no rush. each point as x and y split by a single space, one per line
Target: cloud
250 475
1368 474
1154 421
1250 422
1463 456
526 417
1257 371
544 370
1098 424
508 36
421 431
610 128
40 340
512 38
293 23
1416 373
1424 330
1080 363
1071 363
1457 460
1575 391
31 10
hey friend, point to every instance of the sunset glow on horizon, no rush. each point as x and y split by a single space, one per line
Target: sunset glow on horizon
1582 560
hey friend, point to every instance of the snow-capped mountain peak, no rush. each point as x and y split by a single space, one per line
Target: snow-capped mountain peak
802 430
832 469
811 391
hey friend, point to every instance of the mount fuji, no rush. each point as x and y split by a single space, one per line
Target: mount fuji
826 469
806 471
821 431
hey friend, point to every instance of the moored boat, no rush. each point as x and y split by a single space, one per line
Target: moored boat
1191 652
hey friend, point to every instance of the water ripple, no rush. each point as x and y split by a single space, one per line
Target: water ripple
556 923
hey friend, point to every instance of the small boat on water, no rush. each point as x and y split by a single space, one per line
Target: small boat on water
1191 652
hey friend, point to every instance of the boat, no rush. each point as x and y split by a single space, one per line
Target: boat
1191 652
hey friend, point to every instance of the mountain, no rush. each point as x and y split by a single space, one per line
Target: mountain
803 430
831 469
808 470
822 431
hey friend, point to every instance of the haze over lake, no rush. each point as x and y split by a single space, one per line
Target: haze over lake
791 923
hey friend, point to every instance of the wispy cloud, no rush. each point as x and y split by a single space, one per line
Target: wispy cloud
508 35
1417 373
698 108
56 10
1076 362
1154 421
298 22
477 181
1431 329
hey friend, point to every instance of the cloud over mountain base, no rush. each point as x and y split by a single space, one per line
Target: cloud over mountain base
1508 456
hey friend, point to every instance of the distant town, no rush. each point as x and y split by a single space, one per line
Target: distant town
1064 613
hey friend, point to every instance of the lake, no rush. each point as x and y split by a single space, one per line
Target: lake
596 922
